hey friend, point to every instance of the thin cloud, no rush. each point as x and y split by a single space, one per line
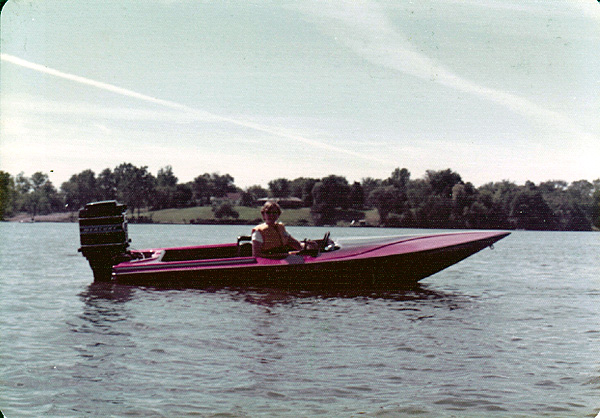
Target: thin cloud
367 31
177 106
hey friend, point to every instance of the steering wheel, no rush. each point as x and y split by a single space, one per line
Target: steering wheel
325 241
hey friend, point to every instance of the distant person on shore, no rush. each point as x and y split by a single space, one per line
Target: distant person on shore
271 238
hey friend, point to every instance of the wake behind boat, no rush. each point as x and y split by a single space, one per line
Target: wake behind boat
374 263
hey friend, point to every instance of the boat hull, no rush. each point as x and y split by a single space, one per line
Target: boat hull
394 263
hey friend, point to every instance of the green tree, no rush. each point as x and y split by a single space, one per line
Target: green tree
442 182
166 192
162 198
502 195
463 198
135 185
222 184
571 204
529 210
201 187
435 212
183 195
165 177
279 188
418 194
329 194
41 196
257 192
369 184
302 189
574 217
476 215
595 211
399 179
357 195
552 187
106 185
80 190
385 199
247 199
338 191
225 210
581 193
23 184
207 185
391 197
7 195
486 212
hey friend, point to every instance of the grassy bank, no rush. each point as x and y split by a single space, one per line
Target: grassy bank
248 215
51 217
204 214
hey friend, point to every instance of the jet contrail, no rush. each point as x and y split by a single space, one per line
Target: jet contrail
368 32
174 105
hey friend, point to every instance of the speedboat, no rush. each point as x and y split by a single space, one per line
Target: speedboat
388 263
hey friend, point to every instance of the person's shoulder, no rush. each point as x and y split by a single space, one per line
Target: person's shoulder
260 227
281 228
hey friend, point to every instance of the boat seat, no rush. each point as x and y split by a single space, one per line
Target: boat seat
244 246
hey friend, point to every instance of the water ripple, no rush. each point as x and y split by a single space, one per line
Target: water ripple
511 333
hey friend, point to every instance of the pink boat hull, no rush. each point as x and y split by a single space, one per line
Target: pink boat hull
386 263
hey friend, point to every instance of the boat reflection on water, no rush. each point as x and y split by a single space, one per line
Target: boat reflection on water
274 297
103 297
106 291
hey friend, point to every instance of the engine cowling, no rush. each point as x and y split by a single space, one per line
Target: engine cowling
103 236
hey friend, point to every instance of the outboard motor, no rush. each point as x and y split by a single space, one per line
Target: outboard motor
103 235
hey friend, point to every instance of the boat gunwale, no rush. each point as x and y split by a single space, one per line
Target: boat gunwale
156 265
178 265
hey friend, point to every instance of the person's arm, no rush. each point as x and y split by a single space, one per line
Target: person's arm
300 246
294 243
257 243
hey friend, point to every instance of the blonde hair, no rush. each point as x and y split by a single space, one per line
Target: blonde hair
271 205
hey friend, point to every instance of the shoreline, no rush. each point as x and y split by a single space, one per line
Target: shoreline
72 217
51 217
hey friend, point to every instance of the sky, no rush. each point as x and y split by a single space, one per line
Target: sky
492 89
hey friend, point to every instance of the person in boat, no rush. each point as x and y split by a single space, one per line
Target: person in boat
271 238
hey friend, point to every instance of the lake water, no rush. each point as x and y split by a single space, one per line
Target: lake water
513 332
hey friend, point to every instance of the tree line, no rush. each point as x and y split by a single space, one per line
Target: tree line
440 199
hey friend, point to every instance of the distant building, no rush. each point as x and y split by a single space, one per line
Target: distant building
234 198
